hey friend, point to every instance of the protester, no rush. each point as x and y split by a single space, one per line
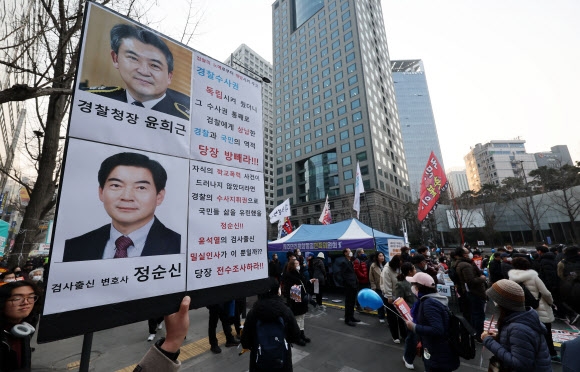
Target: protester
154 324
569 274
7 277
388 284
274 267
299 306
269 308
350 284
405 257
494 268
362 272
403 290
523 274
518 345
472 279
431 324
375 281
18 307
220 312
319 273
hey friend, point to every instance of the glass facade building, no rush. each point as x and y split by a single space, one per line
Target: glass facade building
417 120
334 105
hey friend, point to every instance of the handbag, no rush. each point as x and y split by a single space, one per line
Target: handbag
495 365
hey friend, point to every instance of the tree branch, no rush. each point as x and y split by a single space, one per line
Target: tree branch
23 92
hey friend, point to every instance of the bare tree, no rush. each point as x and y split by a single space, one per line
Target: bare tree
40 40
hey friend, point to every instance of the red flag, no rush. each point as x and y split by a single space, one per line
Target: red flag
287 225
433 183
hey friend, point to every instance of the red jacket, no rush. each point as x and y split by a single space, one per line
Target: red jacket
361 270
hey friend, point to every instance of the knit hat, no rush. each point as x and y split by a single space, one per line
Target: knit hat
507 294
320 255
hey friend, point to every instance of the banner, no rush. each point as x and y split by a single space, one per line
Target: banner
359 189
4 230
433 183
325 216
162 189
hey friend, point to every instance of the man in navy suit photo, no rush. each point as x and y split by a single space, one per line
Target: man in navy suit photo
145 64
131 186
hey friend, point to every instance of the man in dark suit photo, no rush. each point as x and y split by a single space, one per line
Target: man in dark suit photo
145 64
131 186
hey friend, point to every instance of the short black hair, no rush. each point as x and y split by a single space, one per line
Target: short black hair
6 293
124 31
131 159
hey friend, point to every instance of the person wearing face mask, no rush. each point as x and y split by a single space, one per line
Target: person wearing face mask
431 324
294 278
7 277
36 275
388 286
349 281
474 282
362 272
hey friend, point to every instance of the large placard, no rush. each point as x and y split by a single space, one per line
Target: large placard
162 190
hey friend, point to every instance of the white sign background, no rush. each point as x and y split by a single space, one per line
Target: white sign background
221 185
221 121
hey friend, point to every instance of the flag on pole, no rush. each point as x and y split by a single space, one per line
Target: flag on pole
325 217
358 189
433 183
284 227
281 211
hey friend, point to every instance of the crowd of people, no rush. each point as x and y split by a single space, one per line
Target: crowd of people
505 279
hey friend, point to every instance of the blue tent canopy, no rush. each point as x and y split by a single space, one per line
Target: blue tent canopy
335 237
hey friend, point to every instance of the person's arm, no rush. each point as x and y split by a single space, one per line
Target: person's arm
522 353
560 270
163 356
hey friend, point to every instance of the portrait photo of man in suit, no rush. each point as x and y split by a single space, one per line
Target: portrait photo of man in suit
145 64
131 187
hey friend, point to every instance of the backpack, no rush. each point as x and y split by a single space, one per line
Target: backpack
461 336
531 301
271 346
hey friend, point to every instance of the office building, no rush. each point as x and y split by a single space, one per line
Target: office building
244 59
555 158
417 120
334 105
497 160
458 184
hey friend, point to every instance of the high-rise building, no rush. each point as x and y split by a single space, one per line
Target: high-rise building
256 66
334 104
417 120
555 158
497 160
458 184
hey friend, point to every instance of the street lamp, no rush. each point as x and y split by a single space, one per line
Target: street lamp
263 78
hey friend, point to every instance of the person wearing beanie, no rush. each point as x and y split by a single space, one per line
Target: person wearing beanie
319 273
431 323
519 343
267 309
523 274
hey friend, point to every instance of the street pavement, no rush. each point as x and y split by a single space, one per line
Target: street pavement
335 347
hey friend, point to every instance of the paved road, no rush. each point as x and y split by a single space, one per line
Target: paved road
335 347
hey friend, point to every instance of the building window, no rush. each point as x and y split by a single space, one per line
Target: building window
361 156
318 145
344 134
280 181
347 189
358 129
359 143
345 147
355 104
347 175
346 161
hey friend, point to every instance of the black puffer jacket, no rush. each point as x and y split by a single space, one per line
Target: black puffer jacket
267 310
548 271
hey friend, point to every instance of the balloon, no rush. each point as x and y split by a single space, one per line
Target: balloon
369 298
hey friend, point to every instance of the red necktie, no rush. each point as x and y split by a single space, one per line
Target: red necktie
122 243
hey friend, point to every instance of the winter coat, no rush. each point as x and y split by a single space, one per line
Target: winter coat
495 273
403 289
9 358
362 271
274 269
267 310
388 282
522 345
318 270
470 275
535 285
291 278
347 273
432 327
154 360
375 276
548 271
505 268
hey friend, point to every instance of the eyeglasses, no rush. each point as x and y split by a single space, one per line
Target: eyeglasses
21 300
